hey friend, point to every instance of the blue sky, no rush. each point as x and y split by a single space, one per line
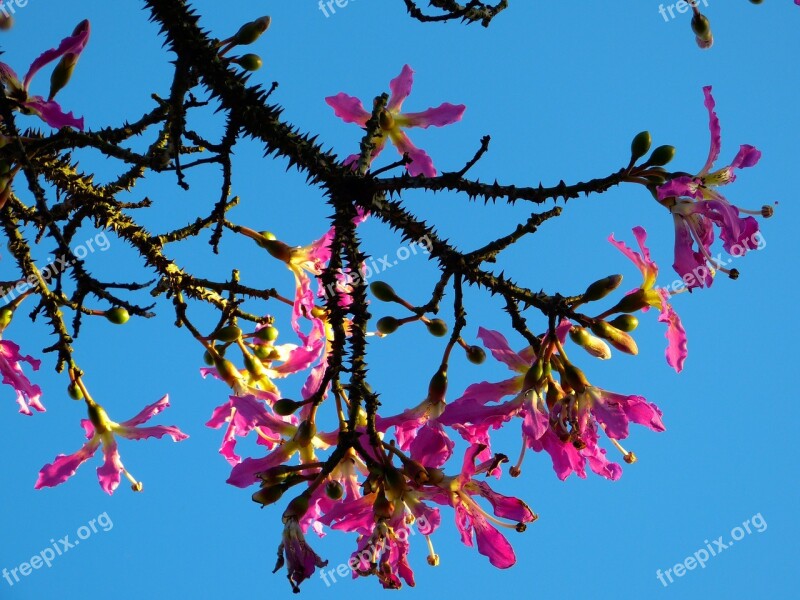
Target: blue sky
561 91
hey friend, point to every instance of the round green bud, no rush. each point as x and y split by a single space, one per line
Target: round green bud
662 155
250 32
208 359
268 333
388 325
334 490
437 327
231 333
285 407
625 323
74 391
476 355
6 22
118 315
249 62
640 145
383 291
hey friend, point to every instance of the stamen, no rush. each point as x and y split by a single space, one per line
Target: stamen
136 486
433 558
516 470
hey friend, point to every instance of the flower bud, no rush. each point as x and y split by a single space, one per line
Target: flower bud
250 32
640 145
632 302
602 288
417 472
62 73
267 334
208 359
231 333
74 391
619 339
383 291
6 314
268 495
6 22
249 62
596 347
395 483
276 248
625 323
285 407
388 325
118 315
254 367
476 355
227 370
382 508
661 156
437 327
264 352
334 490
575 378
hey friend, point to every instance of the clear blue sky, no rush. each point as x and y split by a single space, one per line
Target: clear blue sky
561 91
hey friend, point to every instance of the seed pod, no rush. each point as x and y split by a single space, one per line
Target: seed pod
383 291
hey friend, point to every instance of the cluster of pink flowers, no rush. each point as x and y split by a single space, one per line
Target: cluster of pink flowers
379 491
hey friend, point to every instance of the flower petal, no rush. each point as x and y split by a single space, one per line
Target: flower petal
64 466
400 87
348 108
110 472
421 163
498 345
444 114
74 44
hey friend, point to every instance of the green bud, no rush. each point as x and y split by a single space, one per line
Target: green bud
602 288
594 346
661 156
267 334
250 32
334 490
383 291
297 508
6 22
6 315
254 366
62 73
268 495
118 316
305 433
476 355
263 352
285 407
388 325
631 303
208 359
625 323
249 62
640 145
701 26
231 333
437 388
575 378
619 339
74 391
437 327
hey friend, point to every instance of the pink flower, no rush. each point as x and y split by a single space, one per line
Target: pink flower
471 519
393 121
100 430
657 298
697 207
28 395
48 110
300 559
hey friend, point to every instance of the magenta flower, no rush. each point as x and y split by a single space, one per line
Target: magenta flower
658 298
697 207
100 430
244 414
69 50
471 519
300 559
393 121
28 395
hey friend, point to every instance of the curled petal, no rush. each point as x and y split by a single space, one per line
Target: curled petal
676 352
421 163
65 466
444 114
492 544
498 345
715 129
349 109
110 472
74 44
400 87
52 113
159 431
147 413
